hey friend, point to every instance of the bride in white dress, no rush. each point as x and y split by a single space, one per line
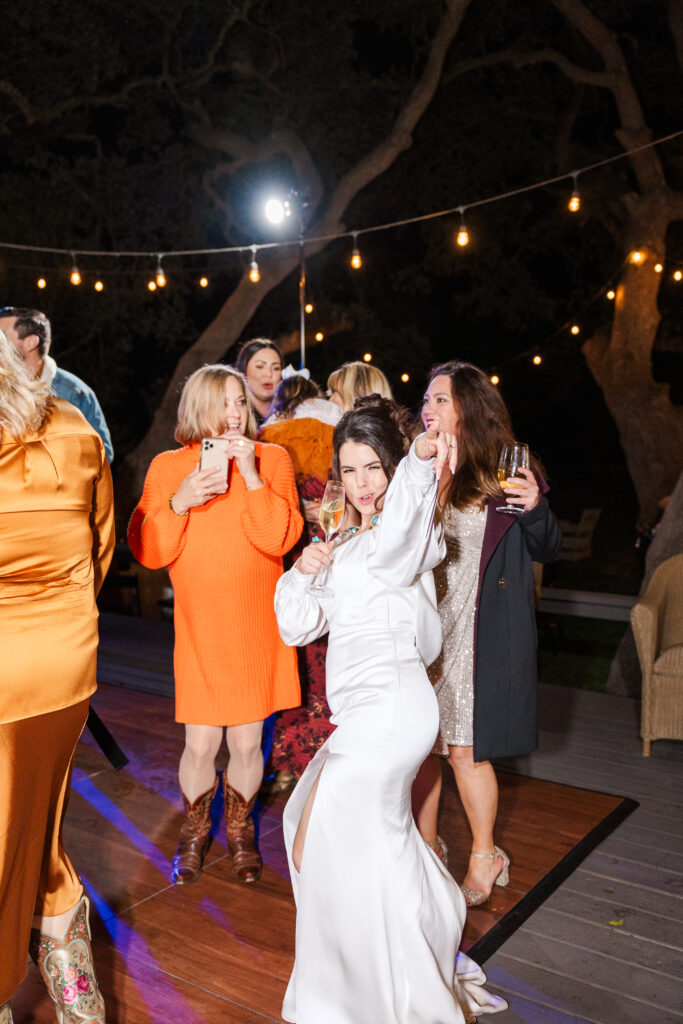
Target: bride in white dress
379 919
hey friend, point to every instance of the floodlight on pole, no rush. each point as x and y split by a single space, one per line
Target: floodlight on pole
276 210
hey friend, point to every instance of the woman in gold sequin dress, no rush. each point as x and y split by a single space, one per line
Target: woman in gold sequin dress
485 677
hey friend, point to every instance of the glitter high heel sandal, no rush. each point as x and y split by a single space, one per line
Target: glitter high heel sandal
473 898
440 849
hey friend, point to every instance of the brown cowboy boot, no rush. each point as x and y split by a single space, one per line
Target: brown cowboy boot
239 829
195 838
5 1014
67 969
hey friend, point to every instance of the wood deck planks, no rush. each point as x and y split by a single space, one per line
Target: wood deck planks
566 965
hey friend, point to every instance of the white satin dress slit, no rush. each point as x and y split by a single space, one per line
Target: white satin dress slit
379 919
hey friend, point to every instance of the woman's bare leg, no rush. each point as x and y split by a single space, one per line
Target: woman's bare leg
478 789
197 771
245 768
302 828
426 794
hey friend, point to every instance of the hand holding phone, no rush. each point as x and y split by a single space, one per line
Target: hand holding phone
214 455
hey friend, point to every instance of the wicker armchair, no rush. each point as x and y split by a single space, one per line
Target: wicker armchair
657 622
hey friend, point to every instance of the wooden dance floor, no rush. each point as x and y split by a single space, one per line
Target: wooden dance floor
217 952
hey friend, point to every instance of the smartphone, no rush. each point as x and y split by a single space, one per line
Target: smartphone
214 453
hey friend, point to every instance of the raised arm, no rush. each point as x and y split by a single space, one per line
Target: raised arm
272 520
407 541
300 614
156 534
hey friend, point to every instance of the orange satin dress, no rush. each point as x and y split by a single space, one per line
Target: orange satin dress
56 542
224 559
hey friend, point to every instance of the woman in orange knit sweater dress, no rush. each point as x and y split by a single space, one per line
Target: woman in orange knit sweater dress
223 541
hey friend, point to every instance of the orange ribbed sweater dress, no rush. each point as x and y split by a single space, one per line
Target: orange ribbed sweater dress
224 559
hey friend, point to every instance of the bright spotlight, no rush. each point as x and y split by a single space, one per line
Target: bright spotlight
276 210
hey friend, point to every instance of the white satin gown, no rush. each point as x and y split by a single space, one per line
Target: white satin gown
379 919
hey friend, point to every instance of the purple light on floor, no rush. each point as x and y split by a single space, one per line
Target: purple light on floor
108 809
156 992
214 911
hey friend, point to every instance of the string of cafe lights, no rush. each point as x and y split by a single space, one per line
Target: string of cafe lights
572 327
158 278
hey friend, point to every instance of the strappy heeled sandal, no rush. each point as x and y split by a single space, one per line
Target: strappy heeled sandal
473 898
440 849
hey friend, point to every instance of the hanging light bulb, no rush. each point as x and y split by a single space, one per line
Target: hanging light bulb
637 256
254 272
574 204
495 379
203 282
462 237
611 294
575 328
98 286
152 285
319 336
658 268
75 277
160 276
405 377
308 308
367 358
537 360
678 275
41 282
356 261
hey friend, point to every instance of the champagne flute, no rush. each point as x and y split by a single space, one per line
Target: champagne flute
513 457
330 516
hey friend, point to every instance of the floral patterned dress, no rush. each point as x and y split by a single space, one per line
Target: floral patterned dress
300 732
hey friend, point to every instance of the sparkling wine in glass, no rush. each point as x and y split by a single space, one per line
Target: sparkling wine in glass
330 516
513 457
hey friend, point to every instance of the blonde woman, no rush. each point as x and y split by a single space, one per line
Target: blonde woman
356 380
223 539
57 527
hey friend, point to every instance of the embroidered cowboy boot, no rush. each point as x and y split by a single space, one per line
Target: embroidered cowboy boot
67 969
239 829
195 838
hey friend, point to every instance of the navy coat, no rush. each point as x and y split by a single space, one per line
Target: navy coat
505 669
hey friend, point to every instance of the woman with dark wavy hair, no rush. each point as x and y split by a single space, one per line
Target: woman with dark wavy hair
379 919
485 676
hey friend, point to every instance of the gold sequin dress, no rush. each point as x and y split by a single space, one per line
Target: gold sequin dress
456 589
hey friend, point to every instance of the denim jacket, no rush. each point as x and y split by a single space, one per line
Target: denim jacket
72 389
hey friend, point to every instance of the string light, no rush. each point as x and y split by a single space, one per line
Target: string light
574 204
203 282
319 336
98 286
537 360
637 256
254 272
575 329
658 268
75 277
678 275
495 379
41 282
160 276
463 237
405 377
152 285
308 308
611 294
356 261
367 358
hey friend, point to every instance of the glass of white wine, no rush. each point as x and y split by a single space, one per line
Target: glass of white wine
330 516
513 457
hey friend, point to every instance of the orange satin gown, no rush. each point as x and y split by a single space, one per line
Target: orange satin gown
224 559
